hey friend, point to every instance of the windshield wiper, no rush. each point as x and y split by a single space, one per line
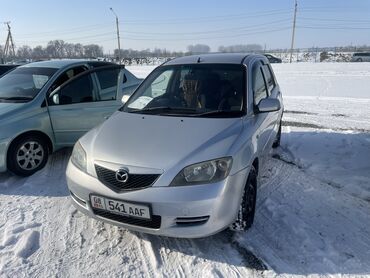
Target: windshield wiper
16 98
165 109
220 113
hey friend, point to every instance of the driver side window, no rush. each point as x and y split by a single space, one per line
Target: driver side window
259 85
77 91
67 75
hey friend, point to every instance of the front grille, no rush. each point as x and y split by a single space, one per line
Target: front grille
154 223
134 182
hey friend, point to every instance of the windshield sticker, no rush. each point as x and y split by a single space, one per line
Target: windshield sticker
140 103
39 80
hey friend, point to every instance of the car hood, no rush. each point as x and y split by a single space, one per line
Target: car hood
162 142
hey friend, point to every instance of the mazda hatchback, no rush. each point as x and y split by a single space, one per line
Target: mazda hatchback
182 156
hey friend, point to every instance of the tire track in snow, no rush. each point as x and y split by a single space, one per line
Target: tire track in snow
289 226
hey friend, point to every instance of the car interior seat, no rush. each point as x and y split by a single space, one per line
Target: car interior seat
209 95
230 98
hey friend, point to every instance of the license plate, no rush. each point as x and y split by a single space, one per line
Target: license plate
120 207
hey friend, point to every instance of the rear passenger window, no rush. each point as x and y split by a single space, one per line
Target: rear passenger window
108 83
269 80
259 86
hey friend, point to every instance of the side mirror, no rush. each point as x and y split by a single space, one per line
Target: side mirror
56 98
125 99
268 105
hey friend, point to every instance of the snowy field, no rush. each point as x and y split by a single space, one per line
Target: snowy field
313 211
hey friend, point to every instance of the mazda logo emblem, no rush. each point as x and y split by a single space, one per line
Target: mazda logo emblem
122 175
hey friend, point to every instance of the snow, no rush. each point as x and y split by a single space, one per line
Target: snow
313 208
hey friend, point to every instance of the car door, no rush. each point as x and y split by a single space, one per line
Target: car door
273 91
263 121
84 102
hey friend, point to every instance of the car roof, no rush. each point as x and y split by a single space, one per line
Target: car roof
216 58
58 64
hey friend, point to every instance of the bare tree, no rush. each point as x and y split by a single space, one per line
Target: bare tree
241 48
38 52
69 50
93 51
79 50
198 49
24 52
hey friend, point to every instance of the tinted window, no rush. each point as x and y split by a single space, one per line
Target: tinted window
108 83
77 91
68 74
259 86
269 79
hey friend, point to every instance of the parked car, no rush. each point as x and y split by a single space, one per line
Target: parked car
45 106
361 57
182 157
273 59
6 68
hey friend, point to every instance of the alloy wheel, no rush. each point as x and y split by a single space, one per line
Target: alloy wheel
30 155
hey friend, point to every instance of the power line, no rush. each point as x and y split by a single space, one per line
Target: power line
335 20
69 31
71 39
208 19
249 27
333 27
209 38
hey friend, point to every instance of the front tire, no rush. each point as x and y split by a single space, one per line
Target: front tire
245 217
27 155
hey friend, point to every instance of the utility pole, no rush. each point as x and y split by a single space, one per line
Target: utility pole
293 32
9 44
119 43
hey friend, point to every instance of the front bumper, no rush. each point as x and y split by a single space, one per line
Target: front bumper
4 143
217 204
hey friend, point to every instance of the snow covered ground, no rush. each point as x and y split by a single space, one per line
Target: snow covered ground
313 212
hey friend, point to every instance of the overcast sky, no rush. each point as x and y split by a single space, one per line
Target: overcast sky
175 24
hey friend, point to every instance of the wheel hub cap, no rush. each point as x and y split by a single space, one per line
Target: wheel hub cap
30 155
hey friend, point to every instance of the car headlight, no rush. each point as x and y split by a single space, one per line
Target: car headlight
204 172
78 157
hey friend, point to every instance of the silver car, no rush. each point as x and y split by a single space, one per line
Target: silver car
182 157
361 57
45 106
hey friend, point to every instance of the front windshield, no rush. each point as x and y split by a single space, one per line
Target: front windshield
191 90
24 84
